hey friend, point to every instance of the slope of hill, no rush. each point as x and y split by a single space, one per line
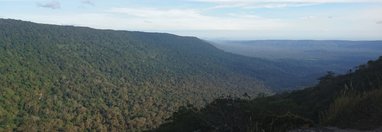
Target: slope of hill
72 78
351 101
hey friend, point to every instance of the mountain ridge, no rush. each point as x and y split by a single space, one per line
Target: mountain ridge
72 78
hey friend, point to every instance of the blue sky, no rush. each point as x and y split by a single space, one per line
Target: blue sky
212 19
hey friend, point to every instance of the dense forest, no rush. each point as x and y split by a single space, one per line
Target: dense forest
65 78
350 101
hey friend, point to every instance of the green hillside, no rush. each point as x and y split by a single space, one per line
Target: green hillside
76 78
345 101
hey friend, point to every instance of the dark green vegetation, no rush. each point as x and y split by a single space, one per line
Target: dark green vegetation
352 101
75 78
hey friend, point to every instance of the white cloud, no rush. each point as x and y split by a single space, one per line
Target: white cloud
13 0
360 24
50 4
288 1
88 2
277 3
357 23
154 13
191 19
309 17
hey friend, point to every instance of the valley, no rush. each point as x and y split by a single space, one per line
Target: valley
68 78
190 65
65 77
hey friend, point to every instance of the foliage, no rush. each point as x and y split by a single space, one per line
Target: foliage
76 78
360 111
346 101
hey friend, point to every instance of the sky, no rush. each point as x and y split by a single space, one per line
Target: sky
212 19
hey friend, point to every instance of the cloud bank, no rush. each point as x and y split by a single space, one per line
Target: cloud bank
233 19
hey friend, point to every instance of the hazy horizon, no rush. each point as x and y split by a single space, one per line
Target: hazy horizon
213 19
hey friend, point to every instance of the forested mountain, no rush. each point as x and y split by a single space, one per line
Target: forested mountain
77 78
351 101
319 56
